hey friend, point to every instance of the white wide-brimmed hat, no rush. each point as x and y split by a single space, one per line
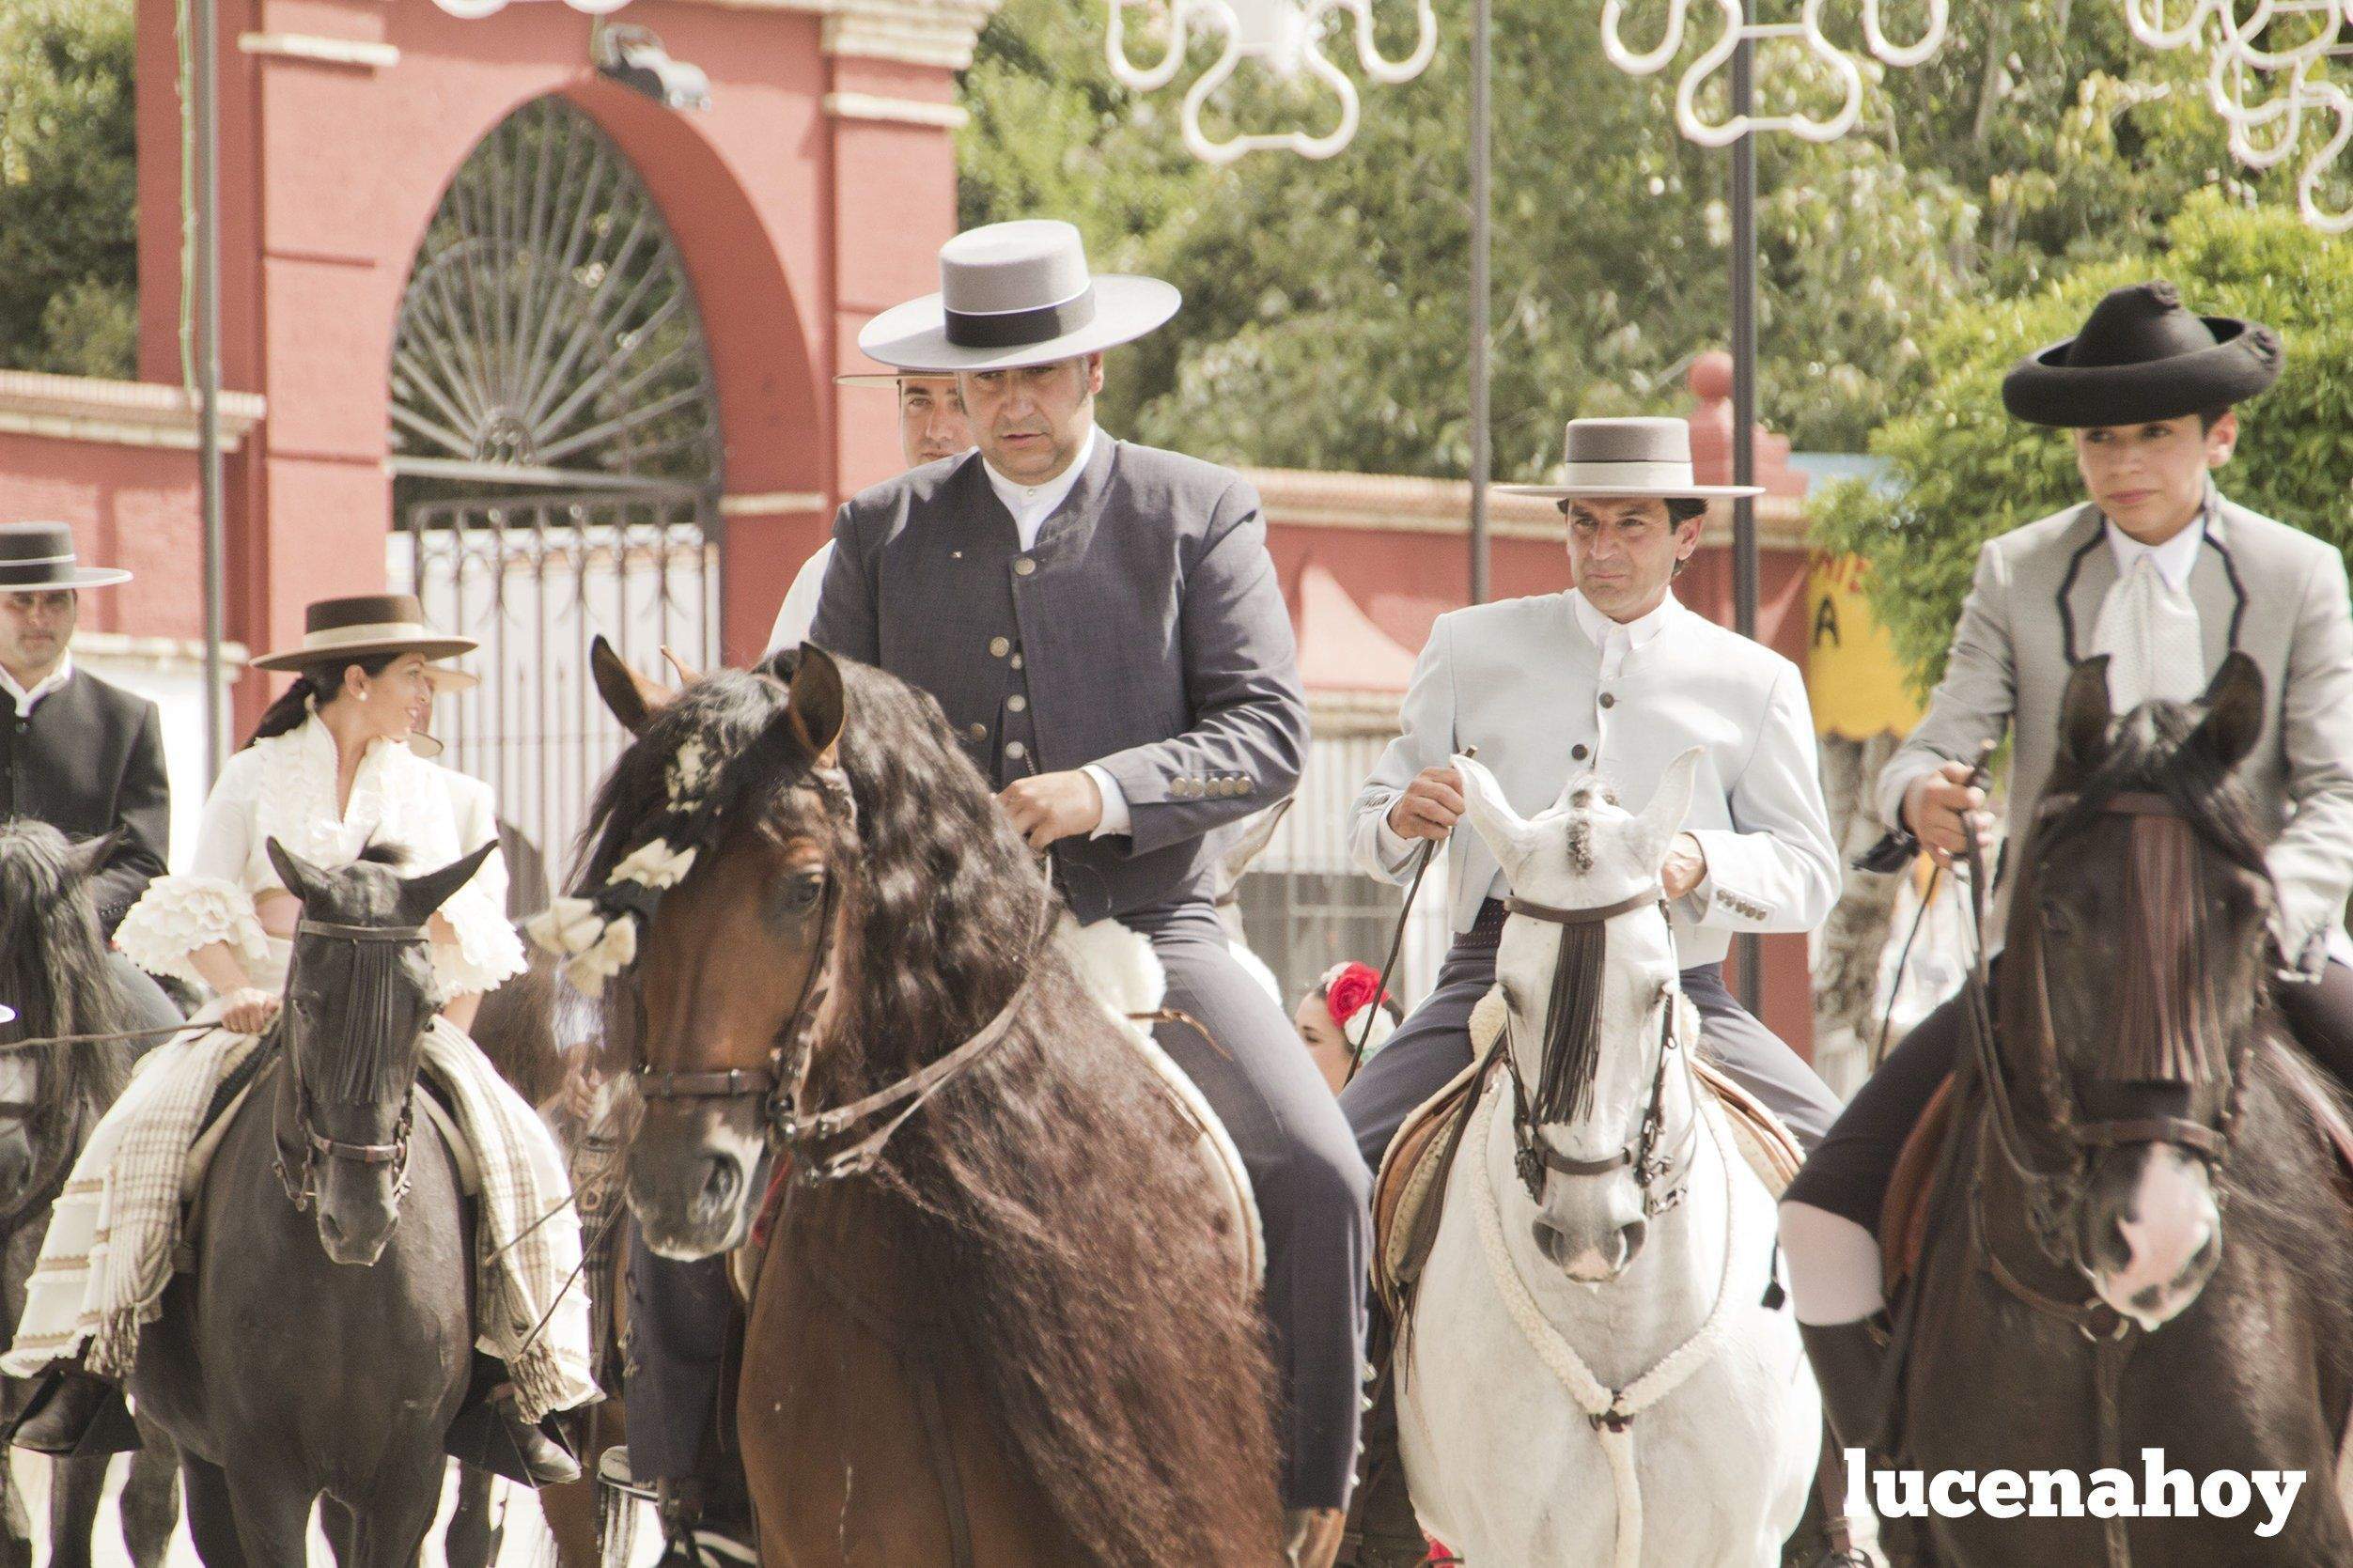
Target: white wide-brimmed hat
1013 295
360 626
1630 459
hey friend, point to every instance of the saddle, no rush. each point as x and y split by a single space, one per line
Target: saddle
1904 1213
1409 1196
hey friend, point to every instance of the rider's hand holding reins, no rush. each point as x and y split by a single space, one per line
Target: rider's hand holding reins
1942 807
249 1010
1053 806
1430 806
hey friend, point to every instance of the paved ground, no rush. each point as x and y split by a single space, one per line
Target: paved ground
526 1542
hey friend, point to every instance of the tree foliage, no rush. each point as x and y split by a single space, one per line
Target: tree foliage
69 204
1963 471
1325 319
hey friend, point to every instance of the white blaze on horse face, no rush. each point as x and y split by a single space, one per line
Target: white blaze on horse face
2166 1240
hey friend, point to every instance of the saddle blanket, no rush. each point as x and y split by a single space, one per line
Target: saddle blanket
1408 1193
108 1254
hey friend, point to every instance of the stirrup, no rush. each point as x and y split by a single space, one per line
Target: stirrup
101 1425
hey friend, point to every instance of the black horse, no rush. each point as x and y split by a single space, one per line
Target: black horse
321 1356
2078 1299
53 971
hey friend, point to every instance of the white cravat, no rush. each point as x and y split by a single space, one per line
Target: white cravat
1032 504
2148 624
41 688
1617 639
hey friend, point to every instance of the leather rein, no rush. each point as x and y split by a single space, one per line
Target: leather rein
1660 1175
781 1082
302 1182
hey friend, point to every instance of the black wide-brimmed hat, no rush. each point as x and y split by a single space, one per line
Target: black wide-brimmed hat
2142 355
39 555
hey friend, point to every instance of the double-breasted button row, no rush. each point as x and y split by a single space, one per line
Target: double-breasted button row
1015 749
1000 646
1211 787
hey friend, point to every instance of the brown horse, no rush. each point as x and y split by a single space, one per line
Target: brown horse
1001 1330
2054 1325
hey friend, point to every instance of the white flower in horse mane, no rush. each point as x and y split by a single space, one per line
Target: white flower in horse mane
613 952
655 864
567 926
686 773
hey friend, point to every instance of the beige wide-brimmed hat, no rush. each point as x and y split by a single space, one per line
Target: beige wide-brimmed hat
1013 295
361 626
891 378
1630 459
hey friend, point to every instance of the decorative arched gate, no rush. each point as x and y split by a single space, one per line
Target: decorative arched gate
556 453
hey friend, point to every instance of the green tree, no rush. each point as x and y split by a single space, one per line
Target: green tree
1964 470
1324 324
68 203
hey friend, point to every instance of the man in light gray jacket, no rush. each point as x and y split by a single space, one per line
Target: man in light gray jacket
2160 574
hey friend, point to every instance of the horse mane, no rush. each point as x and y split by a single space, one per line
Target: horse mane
55 973
1037 1189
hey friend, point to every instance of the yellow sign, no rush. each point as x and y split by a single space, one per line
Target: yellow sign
1852 675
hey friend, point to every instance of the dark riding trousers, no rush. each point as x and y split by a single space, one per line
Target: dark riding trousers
1434 1044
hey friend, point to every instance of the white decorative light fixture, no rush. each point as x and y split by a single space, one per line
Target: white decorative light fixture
1739 29
1284 37
474 11
2267 128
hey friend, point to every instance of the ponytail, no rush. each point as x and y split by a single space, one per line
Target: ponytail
313 687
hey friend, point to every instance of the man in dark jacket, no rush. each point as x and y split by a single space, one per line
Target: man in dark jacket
80 755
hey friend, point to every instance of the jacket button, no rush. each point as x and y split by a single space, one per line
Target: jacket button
1023 566
980 732
1015 749
1016 661
1017 704
1608 701
1579 751
998 646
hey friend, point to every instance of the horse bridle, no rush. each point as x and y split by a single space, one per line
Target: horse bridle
1652 1166
302 1182
781 1082
2050 1193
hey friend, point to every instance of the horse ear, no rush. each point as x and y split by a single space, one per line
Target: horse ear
421 895
1669 803
89 858
2234 711
819 705
1506 834
633 699
300 876
2084 717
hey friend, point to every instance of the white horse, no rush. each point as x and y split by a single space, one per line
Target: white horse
1591 1374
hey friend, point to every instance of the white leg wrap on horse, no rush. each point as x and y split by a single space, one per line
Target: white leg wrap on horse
1833 1265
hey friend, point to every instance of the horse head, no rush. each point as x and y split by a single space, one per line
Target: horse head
359 998
2135 981
1587 969
54 974
728 804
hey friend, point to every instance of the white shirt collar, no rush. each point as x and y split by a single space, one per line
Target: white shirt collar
1598 627
1033 504
2175 558
41 688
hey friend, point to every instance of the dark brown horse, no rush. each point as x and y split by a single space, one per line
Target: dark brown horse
53 971
2139 1239
1010 1335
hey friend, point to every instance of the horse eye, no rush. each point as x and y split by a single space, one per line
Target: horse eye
800 890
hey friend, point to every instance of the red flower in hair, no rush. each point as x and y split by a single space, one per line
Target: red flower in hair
1349 990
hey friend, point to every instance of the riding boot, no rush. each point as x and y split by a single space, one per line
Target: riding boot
1381 1531
489 1433
75 1414
697 1531
1849 1365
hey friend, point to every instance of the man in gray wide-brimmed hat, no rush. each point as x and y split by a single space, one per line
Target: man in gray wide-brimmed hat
78 753
1102 625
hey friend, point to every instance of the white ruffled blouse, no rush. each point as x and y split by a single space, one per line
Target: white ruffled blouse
284 788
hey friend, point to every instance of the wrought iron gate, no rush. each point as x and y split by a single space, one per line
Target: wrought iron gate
555 453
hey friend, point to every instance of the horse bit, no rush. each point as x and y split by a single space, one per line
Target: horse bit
1651 1165
781 1082
302 1182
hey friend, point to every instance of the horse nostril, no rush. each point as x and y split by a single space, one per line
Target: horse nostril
721 1182
1630 1240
